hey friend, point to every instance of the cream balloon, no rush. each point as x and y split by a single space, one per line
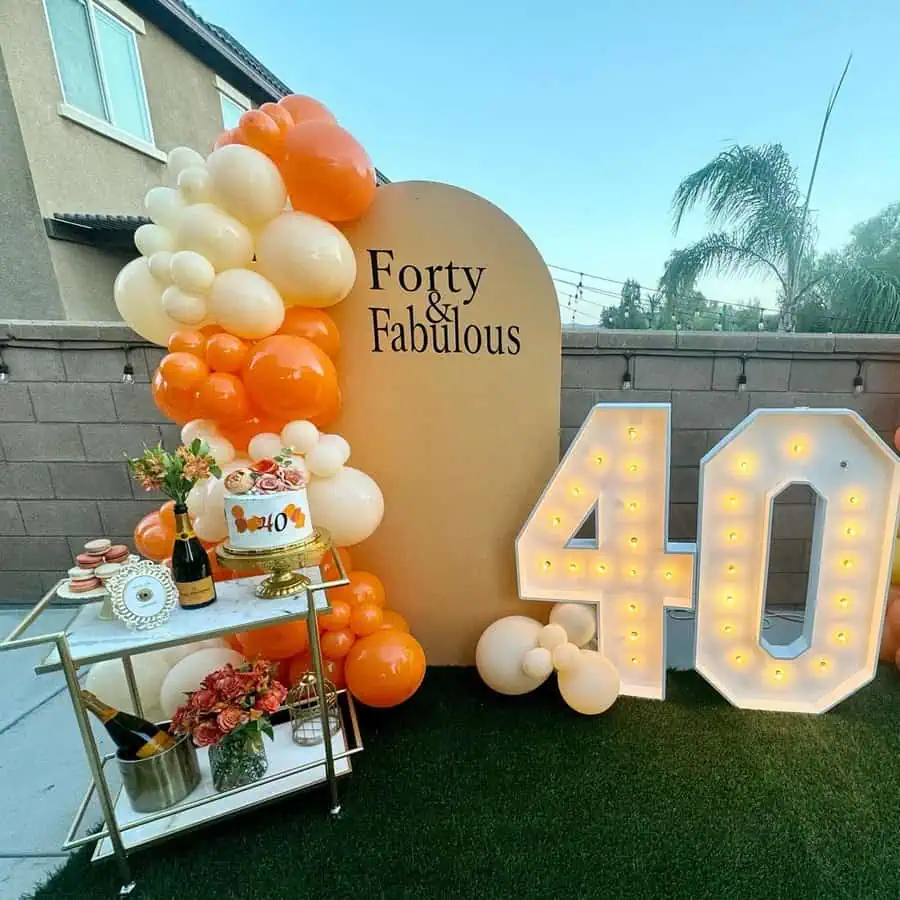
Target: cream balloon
501 651
138 297
194 185
264 445
578 621
307 259
180 159
552 636
211 526
246 183
220 448
301 436
186 676
537 663
349 505
193 273
150 239
198 428
164 206
246 304
196 499
187 308
222 239
239 462
106 679
591 687
328 455
566 656
160 266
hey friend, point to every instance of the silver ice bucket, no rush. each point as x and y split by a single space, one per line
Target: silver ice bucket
162 780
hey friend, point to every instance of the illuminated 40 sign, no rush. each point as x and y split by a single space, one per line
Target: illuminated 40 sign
617 468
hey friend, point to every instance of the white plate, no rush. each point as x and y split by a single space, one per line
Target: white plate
64 593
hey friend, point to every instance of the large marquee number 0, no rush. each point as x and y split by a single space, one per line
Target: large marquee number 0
616 469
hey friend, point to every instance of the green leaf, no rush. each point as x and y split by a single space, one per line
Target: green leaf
265 726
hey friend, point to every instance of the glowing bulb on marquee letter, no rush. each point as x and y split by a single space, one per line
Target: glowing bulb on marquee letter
629 569
856 478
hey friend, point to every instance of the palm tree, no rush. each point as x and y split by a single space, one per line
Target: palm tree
764 228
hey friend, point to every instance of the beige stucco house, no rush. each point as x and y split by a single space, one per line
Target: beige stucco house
92 95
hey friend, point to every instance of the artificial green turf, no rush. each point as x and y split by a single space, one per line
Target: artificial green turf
461 793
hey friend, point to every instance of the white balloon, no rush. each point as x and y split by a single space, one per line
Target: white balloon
578 620
537 663
215 494
150 239
159 265
239 462
196 499
301 436
328 455
198 428
207 230
164 206
245 304
566 656
194 185
211 526
264 445
221 449
552 636
213 642
186 308
182 158
349 505
106 679
590 687
187 675
193 273
500 654
246 183
138 297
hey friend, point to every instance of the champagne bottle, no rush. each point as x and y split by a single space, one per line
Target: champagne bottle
191 568
136 738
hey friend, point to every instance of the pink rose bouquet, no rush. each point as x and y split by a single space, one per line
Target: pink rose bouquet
230 701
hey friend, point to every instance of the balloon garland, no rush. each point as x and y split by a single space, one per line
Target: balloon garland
240 260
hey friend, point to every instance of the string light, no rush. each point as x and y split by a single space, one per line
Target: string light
576 491
633 636
842 636
797 448
742 376
729 599
732 536
546 565
743 466
633 541
4 371
634 660
668 576
555 521
598 459
633 468
632 573
573 567
854 499
858 384
738 658
731 569
632 434
627 383
844 602
727 629
851 531
601 569
847 563
779 674
823 665
732 501
632 607
632 507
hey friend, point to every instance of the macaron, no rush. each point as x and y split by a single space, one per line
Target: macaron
78 572
88 560
107 570
83 585
98 547
116 553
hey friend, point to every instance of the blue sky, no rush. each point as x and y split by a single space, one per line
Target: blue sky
580 119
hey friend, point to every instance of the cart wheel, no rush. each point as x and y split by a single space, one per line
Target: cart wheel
335 812
126 889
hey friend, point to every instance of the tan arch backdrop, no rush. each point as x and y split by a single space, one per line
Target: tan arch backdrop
450 369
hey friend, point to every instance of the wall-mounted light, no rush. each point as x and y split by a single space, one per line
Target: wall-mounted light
742 375
858 384
627 381
128 368
4 370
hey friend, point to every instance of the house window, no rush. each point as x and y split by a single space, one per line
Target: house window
234 104
99 66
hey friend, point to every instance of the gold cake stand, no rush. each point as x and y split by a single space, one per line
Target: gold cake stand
283 563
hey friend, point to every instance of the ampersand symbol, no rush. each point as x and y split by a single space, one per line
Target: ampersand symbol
434 306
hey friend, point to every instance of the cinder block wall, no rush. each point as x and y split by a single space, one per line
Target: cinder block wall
698 372
66 421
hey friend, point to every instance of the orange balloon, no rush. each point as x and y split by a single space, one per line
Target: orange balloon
385 668
338 618
187 340
176 404
330 413
167 516
275 642
151 539
209 330
229 136
304 109
313 324
289 376
889 645
391 619
892 619
223 396
225 352
327 172
337 644
297 665
328 568
261 131
332 669
365 618
183 371
279 115
364 587
233 642
239 433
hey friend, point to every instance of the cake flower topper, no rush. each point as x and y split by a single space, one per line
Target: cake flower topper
267 476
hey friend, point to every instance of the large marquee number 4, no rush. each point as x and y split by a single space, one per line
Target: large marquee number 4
616 473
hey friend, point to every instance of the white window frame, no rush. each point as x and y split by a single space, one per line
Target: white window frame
232 94
135 25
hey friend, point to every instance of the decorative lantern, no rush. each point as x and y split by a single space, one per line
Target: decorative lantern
306 713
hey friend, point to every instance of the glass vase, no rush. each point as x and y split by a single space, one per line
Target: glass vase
238 759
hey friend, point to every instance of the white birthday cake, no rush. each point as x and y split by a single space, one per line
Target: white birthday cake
266 506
